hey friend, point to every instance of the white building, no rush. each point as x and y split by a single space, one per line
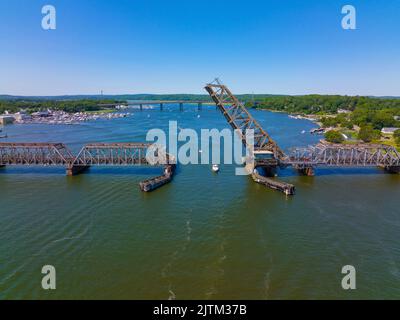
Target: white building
6 119
21 116
389 130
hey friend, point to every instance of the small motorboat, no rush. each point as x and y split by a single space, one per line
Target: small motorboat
215 168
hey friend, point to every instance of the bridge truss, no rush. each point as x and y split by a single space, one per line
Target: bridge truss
342 155
122 154
239 118
34 154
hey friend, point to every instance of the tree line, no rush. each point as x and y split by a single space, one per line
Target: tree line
376 112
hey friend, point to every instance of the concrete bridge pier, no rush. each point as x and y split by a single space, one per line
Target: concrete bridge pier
268 171
393 169
75 170
199 106
306 171
180 106
161 106
141 107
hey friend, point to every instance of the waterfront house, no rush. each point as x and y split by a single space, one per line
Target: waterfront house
21 116
6 119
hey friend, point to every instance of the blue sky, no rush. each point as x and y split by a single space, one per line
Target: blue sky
176 46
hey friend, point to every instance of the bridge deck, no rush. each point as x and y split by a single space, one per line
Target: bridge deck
94 154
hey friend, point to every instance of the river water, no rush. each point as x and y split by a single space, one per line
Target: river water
203 236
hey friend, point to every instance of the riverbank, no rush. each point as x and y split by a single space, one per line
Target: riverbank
62 117
350 135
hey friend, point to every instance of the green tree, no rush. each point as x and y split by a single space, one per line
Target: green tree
396 136
334 136
367 133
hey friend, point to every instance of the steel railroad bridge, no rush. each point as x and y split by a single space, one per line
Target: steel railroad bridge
96 154
268 155
266 152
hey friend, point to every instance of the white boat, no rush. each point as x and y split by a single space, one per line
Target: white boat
215 168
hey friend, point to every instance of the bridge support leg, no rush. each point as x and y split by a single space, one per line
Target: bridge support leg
181 106
270 171
161 106
307 171
199 106
141 107
75 170
394 169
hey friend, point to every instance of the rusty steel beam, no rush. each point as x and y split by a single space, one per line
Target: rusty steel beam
34 154
122 154
338 155
238 117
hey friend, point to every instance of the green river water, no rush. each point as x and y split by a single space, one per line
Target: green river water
203 236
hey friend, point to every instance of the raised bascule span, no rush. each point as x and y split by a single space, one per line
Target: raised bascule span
302 159
239 118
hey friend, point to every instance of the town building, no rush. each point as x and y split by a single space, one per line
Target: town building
6 119
389 130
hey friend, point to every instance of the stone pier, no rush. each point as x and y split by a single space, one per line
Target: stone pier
394 169
75 170
307 171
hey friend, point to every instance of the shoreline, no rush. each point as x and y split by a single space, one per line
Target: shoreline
299 116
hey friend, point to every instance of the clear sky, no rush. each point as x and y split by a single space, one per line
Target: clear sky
176 46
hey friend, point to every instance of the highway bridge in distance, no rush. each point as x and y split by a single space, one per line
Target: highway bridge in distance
160 103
